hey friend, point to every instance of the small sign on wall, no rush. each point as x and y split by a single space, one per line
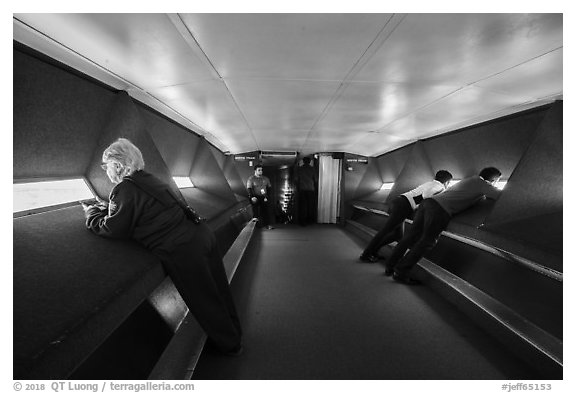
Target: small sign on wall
358 160
244 158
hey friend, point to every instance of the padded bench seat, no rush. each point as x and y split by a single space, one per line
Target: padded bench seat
66 278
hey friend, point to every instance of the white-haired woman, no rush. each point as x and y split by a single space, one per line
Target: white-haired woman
144 208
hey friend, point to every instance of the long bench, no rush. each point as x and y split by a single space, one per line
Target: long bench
498 311
76 296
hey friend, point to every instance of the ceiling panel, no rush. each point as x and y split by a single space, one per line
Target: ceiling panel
282 105
376 143
144 49
291 140
461 48
44 44
211 107
458 108
286 46
359 83
371 106
538 78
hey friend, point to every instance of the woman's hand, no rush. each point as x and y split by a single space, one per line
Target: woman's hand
100 205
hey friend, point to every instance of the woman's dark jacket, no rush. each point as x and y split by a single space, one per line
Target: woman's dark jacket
143 208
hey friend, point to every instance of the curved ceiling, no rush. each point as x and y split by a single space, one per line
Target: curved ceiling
358 83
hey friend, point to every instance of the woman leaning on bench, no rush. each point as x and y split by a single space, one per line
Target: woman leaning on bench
145 209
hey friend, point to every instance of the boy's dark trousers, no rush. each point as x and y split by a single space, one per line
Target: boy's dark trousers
429 222
393 229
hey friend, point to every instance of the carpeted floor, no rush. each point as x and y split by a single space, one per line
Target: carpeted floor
311 310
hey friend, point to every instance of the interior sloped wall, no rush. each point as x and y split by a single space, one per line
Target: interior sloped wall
352 179
211 187
206 173
126 121
499 143
57 119
531 208
502 143
230 170
527 148
417 170
370 181
391 164
62 123
218 155
180 148
176 145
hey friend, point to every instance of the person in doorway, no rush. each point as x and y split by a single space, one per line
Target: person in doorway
307 183
143 208
401 208
281 215
433 216
259 188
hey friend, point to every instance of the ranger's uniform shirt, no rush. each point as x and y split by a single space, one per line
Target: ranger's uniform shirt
423 191
257 186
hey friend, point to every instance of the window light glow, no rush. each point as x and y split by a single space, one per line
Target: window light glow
183 182
501 184
453 181
28 196
387 186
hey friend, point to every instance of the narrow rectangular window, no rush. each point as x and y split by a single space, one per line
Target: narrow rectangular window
387 186
501 184
183 181
40 194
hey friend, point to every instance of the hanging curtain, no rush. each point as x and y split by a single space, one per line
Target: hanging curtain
329 189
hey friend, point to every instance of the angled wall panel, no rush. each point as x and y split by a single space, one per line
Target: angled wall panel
417 170
57 119
353 178
177 145
391 164
499 143
218 155
125 121
530 208
234 179
370 180
207 175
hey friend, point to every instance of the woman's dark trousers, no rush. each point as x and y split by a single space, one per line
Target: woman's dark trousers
197 270
429 222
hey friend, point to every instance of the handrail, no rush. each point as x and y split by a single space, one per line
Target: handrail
506 255
537 346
